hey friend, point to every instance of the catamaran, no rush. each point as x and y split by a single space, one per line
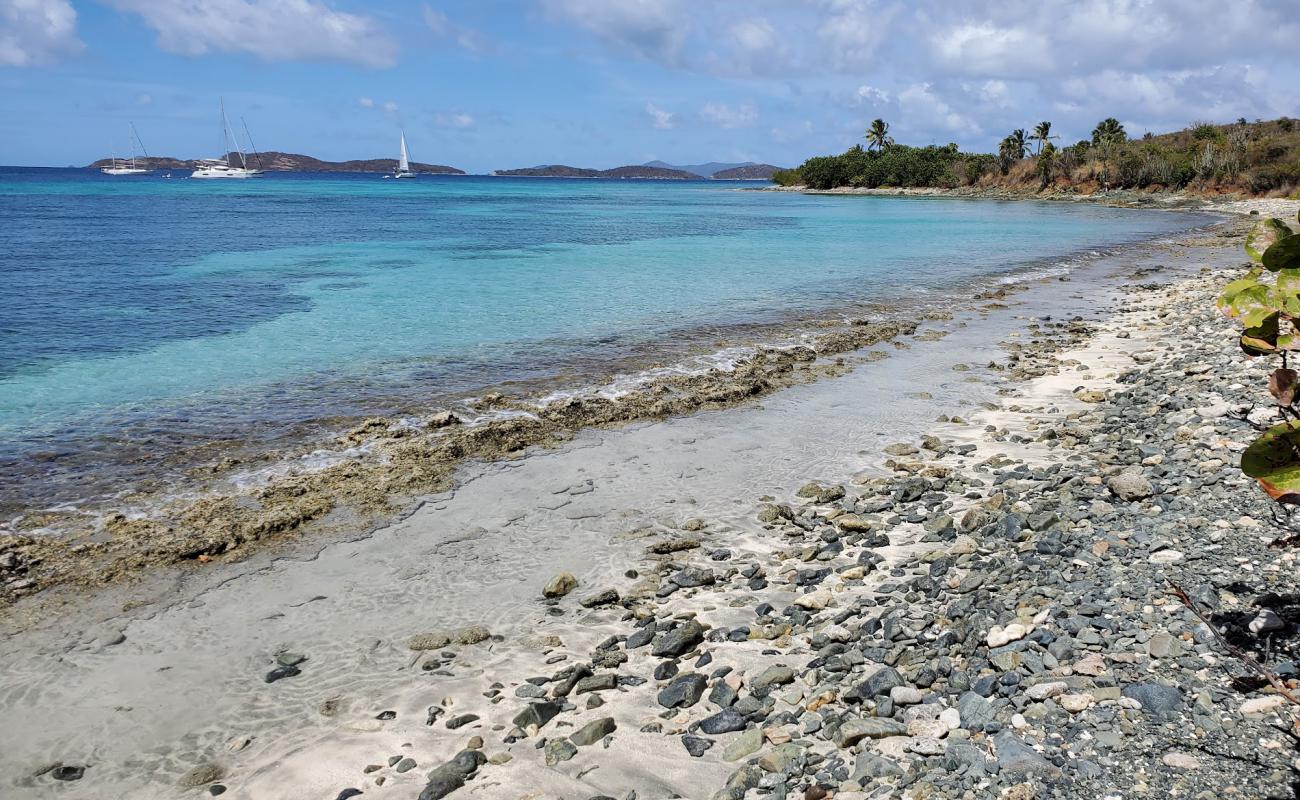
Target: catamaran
404 162
221 167
120 168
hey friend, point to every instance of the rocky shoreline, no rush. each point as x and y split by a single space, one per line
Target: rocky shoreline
992 619
985 614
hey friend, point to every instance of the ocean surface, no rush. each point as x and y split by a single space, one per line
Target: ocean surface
145 318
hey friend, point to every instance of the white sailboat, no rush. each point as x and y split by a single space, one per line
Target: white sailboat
404 162
221 167
122 168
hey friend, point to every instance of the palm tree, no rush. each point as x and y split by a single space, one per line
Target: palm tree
1043 134
878 135
1019 140
1109 131
1008 152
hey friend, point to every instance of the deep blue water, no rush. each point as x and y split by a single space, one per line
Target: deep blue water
143 312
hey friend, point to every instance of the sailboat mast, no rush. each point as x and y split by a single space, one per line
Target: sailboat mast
226 137
139 142
252 146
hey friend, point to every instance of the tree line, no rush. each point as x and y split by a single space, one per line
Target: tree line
1257 158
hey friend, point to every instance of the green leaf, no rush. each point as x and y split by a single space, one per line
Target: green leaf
1261 339
1282 254
1287 292
1241 295
1274 460
1263 235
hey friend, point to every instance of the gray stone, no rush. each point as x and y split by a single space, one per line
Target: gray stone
1014 756
870 765
1130 486
560 585
593 731
679 640
558 750
855 730
976 712
684 691
1156 698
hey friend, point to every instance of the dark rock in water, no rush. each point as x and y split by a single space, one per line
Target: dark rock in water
593 732
603 598
1017 757
696 745
641 637
348 793
679 640
460 721
1155 698
536 714
691 577
280 673
67 773
725 721
684 692
386 715
216 790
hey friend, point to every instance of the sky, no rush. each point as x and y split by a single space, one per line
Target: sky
496 84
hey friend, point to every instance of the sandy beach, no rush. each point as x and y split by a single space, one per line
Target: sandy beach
907 526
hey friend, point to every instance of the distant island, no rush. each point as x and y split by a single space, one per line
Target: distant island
654 170
274 161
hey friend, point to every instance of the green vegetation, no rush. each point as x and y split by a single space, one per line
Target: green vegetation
1248 158
1267 302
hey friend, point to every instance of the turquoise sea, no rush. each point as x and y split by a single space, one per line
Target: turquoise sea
144 317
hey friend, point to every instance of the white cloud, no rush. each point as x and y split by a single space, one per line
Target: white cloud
755 35
144 99
663 120
922 108
365 102
853 32
651 29
726 116
871 95
454 119
985 49
442 26
275 30
390 107
34 32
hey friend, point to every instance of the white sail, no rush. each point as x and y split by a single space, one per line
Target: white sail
404 163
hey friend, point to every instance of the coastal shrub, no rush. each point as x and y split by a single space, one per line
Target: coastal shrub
1267 303
787 177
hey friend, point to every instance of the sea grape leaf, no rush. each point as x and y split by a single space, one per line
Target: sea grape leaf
1243 295
1263 235
1287 295
1274 460
1282 385
1261 339
1282 254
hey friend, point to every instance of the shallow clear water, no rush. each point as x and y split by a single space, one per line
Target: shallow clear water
142 313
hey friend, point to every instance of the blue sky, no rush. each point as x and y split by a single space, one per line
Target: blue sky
485 85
